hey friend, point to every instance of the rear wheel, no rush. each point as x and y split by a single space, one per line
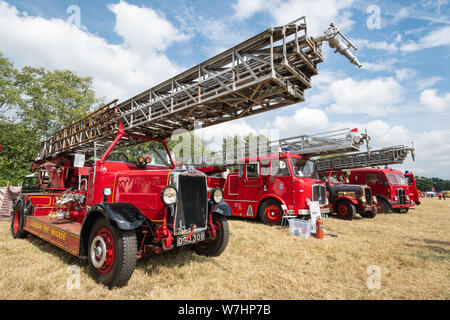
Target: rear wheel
112 254
18 220
383 206
346 210
271 212
214 248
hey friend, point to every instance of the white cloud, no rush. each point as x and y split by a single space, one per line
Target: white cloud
118 71
143 29
428 82
436 38
304 120
374 96
319 13
433 102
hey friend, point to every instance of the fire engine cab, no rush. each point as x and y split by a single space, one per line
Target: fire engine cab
413 192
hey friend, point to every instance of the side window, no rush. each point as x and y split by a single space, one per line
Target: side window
384 180
280 168
252 170
26 182
265 168
35 182
372 179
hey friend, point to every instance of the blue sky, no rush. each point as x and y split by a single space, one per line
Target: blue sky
400 95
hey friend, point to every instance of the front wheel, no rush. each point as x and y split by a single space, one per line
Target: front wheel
214 248
270 212
112 254
370 214
383 206
346 210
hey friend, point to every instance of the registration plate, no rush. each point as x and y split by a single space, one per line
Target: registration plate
196 237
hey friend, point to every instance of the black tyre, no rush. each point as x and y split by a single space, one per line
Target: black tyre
370 214
112 254
214 248
270 212
18 219
345 210
383 206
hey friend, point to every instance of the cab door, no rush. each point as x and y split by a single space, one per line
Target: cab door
378 184
250 188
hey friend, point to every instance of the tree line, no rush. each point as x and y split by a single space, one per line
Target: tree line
428 184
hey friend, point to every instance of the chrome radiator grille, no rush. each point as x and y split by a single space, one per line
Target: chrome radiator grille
319 193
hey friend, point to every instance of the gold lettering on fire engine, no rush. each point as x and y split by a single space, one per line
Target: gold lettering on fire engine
58 234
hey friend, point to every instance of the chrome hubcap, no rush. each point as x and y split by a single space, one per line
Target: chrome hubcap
98 252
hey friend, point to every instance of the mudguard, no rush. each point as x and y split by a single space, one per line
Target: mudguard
385 198
351 200
122 215
222 208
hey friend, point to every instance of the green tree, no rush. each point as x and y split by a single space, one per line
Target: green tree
19 146
53 99
9 94
34 103
424 184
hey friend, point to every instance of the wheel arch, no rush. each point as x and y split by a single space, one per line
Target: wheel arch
349 199
122 215
270 197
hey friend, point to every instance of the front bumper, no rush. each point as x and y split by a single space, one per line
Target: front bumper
305 212
399 206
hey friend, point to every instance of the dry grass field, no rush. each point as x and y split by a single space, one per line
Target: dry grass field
412 251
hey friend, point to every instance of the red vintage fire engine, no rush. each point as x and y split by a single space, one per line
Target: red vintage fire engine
115 209
412 188
265 187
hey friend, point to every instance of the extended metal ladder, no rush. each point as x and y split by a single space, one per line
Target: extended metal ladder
325 143
381 157
268 71
331 142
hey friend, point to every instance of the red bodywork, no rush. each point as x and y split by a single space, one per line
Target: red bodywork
245 193
383 185
412 188
129 183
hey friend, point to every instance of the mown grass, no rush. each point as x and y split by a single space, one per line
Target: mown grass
412 251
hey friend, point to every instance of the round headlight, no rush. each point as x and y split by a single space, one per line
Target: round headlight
169 195
217 196
107 192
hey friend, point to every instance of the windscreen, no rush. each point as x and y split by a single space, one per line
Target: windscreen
303 168
396 179
152 149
